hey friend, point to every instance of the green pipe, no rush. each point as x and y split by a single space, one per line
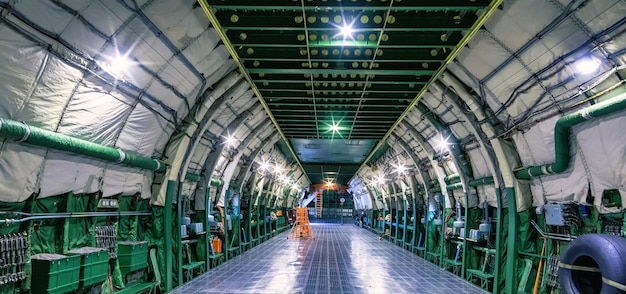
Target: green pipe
397 220
499 220
466 230
197 178
481 182
193 177
453 142
405 222
452 178
471 183
563 131
226 244
179 236
22 132
207 235
169 197
454 186
511 242
216 182
415 218
444 224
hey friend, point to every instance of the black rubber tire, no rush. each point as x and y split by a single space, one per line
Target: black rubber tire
608 253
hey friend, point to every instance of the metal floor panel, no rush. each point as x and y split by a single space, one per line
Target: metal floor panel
341 259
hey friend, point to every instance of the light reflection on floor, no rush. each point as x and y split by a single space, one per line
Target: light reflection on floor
341 259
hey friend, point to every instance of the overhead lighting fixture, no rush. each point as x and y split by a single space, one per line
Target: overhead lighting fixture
278 170
587 65
334 128
346 31
442 144
380 180
264 166
230 140
117 65
400 168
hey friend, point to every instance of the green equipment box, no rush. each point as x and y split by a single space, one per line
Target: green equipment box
132 256
55 273
94 265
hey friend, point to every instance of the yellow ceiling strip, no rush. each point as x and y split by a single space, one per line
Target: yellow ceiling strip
218 28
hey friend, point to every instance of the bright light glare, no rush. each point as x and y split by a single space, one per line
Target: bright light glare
334 128
346 31
400 169
278 170
587 65
230 140
265 165
442 144
117 65
381 180
329 183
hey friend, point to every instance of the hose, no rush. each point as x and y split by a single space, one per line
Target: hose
552 236
543 250
36 216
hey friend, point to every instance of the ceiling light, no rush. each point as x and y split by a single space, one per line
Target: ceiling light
264 166
400 169
278 170
346 31
230 140
334 128
587 65
442 144
117 65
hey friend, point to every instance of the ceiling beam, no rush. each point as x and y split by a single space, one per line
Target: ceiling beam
209 13
273 99
332 46
305 124
399 93
335 111
373 82
296 8
340 71
333 30
343 105
365 58
493 6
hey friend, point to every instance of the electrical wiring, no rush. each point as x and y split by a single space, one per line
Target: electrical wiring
520 123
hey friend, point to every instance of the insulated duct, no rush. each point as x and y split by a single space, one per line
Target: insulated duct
562 133
21 132
471 183
452 178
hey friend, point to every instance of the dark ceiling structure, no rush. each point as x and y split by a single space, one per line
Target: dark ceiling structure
337 75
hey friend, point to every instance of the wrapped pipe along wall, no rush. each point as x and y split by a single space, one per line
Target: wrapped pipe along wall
138 128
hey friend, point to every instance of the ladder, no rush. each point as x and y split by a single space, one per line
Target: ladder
301 228
318 204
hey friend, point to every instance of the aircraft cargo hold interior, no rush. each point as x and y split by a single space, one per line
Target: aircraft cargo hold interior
312 146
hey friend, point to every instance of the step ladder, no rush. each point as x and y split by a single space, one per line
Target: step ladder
318 204
302 227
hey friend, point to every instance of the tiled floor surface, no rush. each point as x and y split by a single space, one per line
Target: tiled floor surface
340 259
